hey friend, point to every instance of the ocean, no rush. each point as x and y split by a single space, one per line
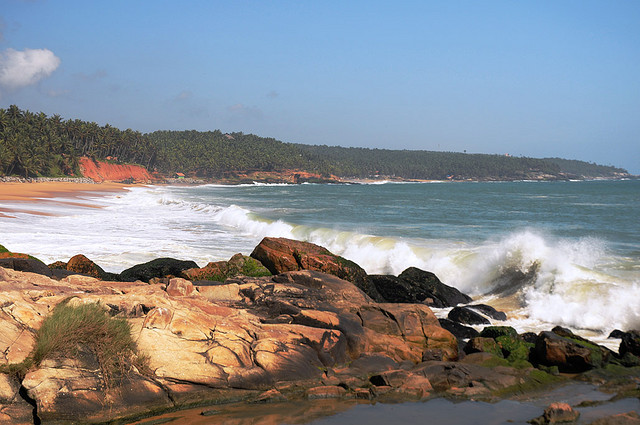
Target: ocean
548 253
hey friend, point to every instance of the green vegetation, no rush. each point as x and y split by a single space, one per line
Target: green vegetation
582 168
72 330
3 249
36 145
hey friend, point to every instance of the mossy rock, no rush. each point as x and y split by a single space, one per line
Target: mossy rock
498 331
514 350
222 270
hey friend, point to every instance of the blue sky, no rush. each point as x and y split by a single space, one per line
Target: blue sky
534 78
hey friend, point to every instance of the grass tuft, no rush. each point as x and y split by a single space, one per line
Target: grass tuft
71 329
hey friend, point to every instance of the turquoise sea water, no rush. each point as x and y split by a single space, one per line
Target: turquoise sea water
564 253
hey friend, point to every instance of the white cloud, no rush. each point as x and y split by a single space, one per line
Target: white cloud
24 68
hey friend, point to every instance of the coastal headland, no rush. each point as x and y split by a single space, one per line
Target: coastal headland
292 321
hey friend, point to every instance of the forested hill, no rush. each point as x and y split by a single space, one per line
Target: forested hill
215 154
37 145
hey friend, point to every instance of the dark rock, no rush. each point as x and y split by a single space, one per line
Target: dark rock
442 295
31 265
570 355
487 310
496 331
529 337
458 330
396 290
160 267
630 343
467 316
511 280
281 255
616 334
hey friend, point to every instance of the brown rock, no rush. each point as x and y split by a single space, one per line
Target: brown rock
215 293
81 264
557 413
281 255
570 355
179 287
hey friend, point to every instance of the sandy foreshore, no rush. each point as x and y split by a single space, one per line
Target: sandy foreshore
18 193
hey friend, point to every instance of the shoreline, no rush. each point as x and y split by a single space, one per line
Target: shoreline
26 193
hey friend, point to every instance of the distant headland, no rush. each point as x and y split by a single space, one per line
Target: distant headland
34 145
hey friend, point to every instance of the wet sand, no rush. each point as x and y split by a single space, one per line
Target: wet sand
26 193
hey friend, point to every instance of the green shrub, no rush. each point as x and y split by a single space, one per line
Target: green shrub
3 249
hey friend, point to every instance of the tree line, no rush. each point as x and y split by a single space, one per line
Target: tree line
37 145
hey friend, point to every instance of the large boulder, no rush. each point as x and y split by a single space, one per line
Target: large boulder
281 255
437 293
160 267
570 355
222 270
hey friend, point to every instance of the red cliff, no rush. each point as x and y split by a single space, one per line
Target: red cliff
103 171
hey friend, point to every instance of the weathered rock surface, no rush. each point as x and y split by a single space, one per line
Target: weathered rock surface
201 346
160 267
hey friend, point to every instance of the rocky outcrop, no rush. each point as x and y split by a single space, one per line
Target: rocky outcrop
281 255
293 327
299 333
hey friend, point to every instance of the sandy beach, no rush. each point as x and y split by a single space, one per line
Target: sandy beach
46 192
